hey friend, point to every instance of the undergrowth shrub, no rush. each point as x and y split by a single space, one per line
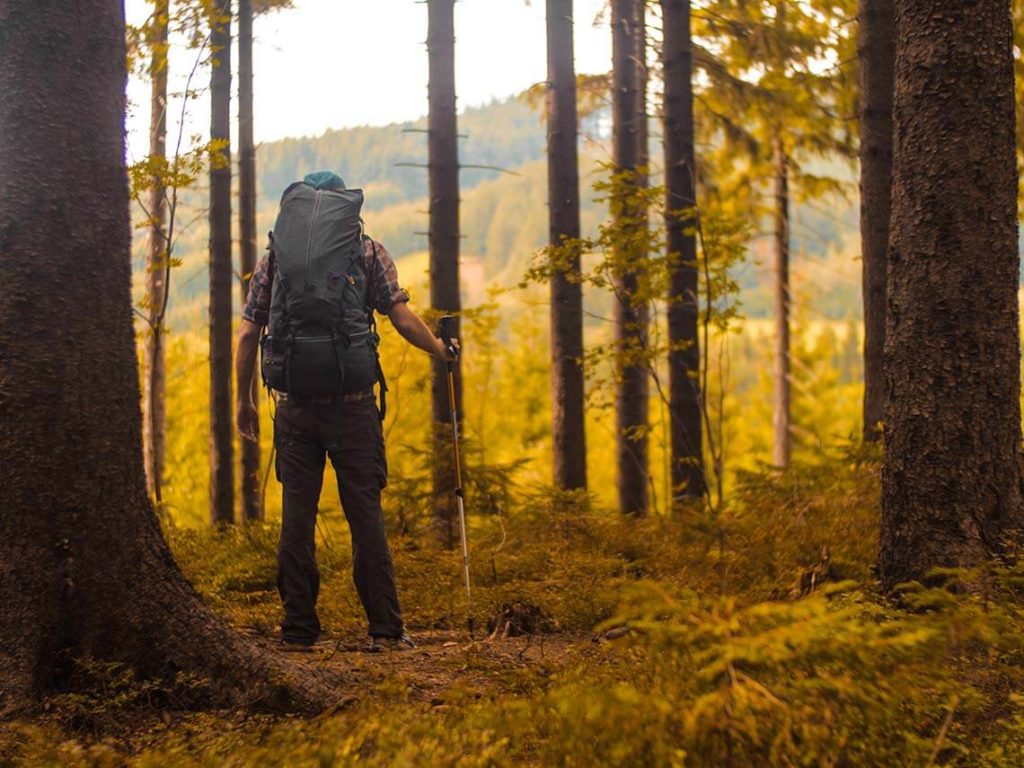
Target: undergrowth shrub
823 513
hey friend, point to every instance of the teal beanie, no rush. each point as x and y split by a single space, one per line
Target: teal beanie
325 180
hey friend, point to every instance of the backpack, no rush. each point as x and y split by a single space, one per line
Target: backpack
321 339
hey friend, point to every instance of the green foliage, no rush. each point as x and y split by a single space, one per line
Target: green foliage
822 681
179 172
774 71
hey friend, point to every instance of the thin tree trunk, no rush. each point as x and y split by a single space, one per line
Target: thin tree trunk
153 399
683 303
222 491
631 316
951 491
444 241
643 157
782 442
84 569
877 53
252 503
569 441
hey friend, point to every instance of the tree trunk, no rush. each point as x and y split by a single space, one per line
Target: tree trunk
782 442
876 49
444 242
222 490
951 481
567 417
84 569
630 311
156 261
252 502
643 156
683 302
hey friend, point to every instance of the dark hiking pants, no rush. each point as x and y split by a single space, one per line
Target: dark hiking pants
349 433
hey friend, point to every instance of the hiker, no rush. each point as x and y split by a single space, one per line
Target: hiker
315 292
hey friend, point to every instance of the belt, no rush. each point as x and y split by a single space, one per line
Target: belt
346 397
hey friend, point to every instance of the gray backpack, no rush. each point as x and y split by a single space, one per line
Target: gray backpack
321 340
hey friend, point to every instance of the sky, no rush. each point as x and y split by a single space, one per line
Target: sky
339 63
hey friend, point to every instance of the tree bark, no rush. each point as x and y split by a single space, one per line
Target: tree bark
876 50
153 398
444 243
683 302
252 502
222 490
84 569
951 480
630 311
782 427
567 405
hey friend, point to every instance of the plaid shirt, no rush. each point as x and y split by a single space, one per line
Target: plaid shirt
382 288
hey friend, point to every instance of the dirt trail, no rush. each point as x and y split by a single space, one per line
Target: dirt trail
442 661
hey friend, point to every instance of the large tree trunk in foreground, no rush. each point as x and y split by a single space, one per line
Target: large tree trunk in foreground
876 49
444 242
252 503
630 311
951 480
222 449
84 569
782 444
154 374
567 407
683 302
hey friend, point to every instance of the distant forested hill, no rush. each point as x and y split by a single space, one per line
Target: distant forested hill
504 215
505 134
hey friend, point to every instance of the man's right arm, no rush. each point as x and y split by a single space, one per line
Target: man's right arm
245 376
254 316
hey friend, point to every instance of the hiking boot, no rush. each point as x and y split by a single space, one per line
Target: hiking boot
292 646
381 644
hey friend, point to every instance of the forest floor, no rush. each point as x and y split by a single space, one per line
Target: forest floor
445 670
754 637
481 666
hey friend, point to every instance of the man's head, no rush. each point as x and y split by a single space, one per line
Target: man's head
327 180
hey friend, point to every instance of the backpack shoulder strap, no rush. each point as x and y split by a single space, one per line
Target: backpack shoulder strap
271 261
372 242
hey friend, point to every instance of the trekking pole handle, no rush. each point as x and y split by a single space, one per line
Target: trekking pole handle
445 327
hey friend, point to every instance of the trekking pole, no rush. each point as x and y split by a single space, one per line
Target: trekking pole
446 336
